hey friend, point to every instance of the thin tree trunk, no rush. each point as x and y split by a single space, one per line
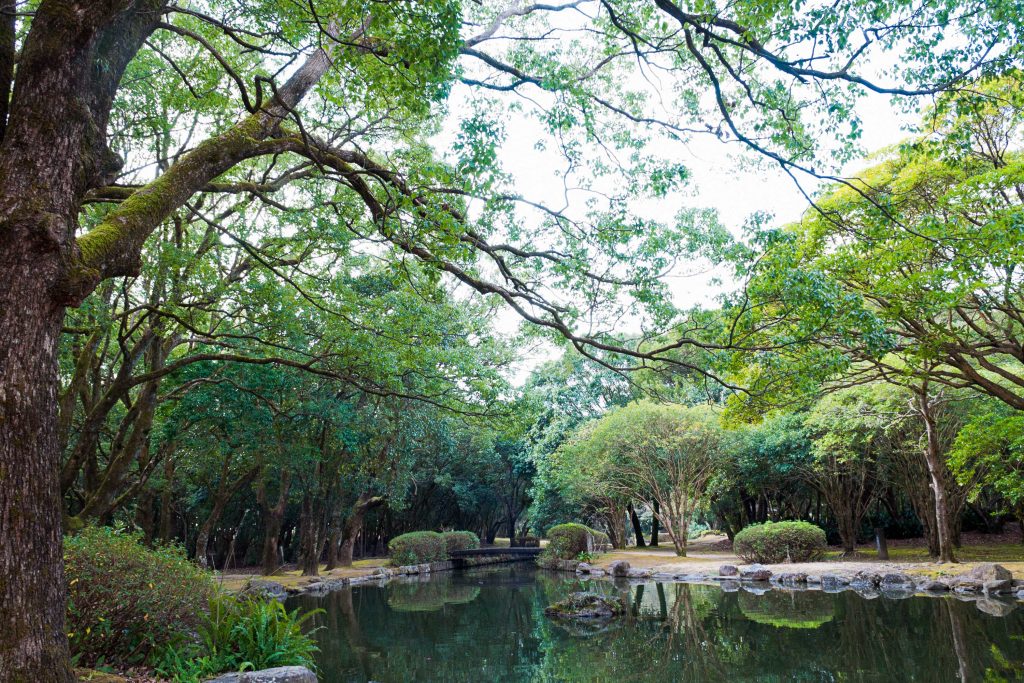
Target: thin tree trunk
654 525
309 546
638 531
936 473
273 517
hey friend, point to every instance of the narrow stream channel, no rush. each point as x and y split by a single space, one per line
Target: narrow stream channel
487 624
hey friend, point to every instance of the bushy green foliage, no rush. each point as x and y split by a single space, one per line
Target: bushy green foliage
417 547
241 635
774 542
568 541
125 599
460 540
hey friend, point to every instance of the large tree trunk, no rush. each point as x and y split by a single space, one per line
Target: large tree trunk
33 645
353 525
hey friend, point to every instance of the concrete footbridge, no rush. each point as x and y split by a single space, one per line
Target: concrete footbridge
492 555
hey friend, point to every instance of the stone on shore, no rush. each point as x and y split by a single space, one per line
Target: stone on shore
896 581
790 579
728 570
990 571
934 586
262 588
755 572
865 580
619 568
281 674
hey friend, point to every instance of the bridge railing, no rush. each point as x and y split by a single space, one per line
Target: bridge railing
484 552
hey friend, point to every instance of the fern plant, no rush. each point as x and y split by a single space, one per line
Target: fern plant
242 635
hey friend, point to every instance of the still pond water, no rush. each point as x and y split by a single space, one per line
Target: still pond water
487 624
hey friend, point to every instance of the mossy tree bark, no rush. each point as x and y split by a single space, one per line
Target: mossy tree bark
54 151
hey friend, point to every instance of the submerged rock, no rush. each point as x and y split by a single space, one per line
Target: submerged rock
586 606
997 587
996 608
281 674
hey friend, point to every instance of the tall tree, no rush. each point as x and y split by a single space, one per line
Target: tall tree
323 82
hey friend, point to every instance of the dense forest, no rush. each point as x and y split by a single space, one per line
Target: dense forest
269 291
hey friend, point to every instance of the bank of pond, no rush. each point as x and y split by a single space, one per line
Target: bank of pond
488 623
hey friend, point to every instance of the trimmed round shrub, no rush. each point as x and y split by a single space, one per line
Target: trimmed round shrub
775 542
126 601
417 547
566 541
460 540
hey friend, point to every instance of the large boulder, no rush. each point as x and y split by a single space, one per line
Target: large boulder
584 568
586 606
281 674
728 570
619 568
990 571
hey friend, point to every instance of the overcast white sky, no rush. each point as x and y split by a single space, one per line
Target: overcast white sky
736 191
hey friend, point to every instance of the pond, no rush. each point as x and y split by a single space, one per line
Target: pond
487 624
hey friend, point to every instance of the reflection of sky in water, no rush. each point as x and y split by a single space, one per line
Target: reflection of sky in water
487 624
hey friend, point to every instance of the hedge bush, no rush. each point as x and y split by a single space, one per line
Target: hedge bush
566 541
460 540
126 600
417 547
774 542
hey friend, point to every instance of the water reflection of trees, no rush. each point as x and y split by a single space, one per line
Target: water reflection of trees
671 632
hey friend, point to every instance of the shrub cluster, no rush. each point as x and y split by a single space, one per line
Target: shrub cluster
125 599
239 635
417 547
567 541
774 542
460 540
